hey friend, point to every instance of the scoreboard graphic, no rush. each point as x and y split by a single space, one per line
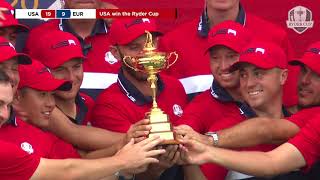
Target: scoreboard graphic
94 13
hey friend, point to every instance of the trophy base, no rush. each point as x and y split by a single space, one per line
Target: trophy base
160 126
168 137
170 142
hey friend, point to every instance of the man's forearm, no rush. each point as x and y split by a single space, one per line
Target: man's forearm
106 152
281 160
257 131
192 172
84 137
91 138
78 169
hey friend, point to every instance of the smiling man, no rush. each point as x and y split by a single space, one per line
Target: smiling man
261 75
35 97
300 151
192 68
224 99
100 68
263 72
61 53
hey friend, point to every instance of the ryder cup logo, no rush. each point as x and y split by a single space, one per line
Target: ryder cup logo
299 19
108 57
27 147
177 110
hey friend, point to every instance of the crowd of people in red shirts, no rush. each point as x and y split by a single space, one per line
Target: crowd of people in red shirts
241 105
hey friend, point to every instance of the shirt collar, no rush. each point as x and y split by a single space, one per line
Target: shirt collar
133 93
203 27
82 109
247 111
220 93
12 118
285 112
99 28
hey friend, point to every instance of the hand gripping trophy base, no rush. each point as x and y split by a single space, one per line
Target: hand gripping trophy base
151 62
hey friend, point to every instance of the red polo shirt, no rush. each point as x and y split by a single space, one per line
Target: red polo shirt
15 163
192 67
122 105
302 117
100 67
35 141
308 141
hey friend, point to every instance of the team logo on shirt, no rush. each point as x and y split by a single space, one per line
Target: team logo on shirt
300 19
177 110
27 147
110 58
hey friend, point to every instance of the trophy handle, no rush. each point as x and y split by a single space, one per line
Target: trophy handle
133 61
175 60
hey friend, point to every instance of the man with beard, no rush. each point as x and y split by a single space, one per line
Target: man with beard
127 101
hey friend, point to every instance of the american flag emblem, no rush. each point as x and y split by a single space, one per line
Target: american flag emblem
64 44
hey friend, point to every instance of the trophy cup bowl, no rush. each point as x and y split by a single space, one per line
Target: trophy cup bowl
151 62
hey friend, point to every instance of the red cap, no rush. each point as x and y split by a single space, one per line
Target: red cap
123 31
230 34
311 58
37 76
10 21
55 48
8 52
264 55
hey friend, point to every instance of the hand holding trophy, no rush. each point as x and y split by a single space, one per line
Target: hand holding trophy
152 62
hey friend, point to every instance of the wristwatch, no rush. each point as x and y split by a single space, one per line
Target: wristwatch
214 136
121 177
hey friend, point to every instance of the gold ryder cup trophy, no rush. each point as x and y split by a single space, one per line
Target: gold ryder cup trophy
152 62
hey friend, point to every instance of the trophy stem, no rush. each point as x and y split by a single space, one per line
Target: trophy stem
152 79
